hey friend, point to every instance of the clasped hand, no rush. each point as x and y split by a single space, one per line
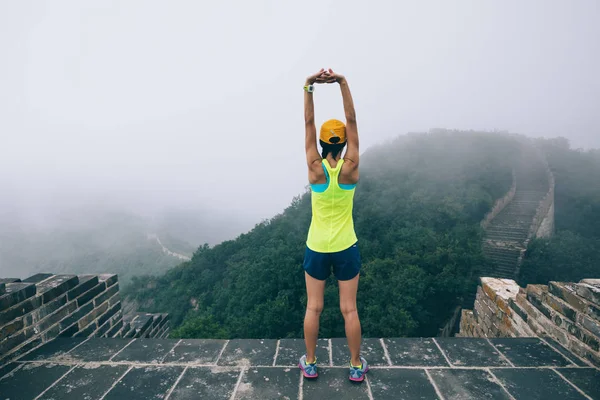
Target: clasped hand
324 76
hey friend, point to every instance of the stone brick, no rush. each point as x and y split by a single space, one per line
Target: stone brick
165 319
76 316
69 331
95 313
15 294
86 282
43 311
54 318
109 279
19 310
51 333
537 300
117 326
520 327
588 292
560 306
90 294
518 309
589 324
102 329
87 331
572 328
109 313
55 286
537 290
11 328
21 349
566 291
480 294
37 278
584 352
108 293
15 340
489 292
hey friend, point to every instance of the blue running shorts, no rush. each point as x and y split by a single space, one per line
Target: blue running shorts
345 263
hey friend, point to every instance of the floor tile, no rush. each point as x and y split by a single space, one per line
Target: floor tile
195 351
210 383
143 383
415 352
536 384
149 351
467 384
269 383
471 352
87 382
98 349
529 352
53 349
333 384
586 379
29 381
406 384
249 352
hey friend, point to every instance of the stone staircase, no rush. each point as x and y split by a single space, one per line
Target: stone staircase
507 234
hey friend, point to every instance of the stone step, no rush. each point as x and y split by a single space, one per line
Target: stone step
508 228
501 254
512 237
504 263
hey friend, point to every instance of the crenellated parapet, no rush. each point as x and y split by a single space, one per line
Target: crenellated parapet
568 313
38 309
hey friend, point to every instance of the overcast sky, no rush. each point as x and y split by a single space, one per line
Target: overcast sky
199 103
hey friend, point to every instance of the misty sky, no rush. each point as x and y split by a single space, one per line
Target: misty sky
199 104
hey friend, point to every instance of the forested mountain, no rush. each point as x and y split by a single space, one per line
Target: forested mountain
417 211
573 253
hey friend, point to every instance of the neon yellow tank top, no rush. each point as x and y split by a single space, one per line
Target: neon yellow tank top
331 228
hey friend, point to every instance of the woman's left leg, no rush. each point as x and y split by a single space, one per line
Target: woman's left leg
315 290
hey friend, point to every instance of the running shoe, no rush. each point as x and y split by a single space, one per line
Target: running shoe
308 370
357 374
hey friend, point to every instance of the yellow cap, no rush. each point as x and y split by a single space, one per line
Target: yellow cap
333 132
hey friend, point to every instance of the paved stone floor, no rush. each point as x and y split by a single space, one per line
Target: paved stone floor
404 368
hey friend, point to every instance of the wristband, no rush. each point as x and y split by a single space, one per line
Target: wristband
309 88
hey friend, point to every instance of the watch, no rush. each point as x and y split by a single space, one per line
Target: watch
309 88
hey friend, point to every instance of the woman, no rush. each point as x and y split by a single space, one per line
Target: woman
331 238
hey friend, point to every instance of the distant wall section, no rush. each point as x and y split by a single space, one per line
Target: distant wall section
543 222
501 203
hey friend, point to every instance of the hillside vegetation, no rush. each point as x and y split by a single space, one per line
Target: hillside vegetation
417 211
573 253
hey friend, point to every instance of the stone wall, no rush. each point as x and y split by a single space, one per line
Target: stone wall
543 222
46 306
566 312
501 203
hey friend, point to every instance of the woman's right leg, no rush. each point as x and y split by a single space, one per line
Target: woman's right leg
348 291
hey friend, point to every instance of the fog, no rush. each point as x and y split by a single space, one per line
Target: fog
151 105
